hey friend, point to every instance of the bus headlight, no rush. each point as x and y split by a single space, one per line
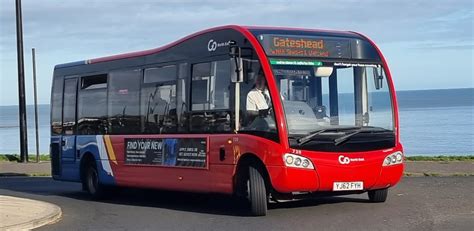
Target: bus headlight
295 161
298 161
392 159
305 163
399 157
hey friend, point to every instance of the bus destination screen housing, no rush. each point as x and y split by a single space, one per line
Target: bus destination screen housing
305 46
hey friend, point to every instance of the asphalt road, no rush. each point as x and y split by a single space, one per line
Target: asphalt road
417 203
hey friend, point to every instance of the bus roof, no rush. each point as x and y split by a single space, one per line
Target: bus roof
252 29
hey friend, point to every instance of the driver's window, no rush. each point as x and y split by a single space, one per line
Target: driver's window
256 103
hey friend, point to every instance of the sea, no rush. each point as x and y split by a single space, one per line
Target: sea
432 122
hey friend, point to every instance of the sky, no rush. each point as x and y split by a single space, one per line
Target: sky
428 44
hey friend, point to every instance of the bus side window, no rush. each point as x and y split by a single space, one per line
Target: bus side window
210 97
158 100
92 105
56 106
69 106
124 101
251 70
261 125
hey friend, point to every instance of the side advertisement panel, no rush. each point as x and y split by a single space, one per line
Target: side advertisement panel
178 152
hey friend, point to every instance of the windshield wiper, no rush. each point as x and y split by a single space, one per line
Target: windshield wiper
307 138
344 138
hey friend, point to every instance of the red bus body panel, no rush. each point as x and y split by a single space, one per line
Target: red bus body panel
219 175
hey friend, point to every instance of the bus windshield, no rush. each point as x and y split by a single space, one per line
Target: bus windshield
321 96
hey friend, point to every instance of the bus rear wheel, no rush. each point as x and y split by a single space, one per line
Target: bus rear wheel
379 195
91 182
257 192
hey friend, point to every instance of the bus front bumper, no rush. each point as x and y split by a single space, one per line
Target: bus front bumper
321 179
287 180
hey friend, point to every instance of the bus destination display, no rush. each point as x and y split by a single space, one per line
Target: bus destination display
182 152
306 46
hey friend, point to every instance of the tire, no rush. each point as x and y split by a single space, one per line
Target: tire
257 192
378 196
91 182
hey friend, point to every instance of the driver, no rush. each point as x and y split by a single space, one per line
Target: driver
258 98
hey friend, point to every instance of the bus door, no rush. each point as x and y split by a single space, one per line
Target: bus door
211 107
68 138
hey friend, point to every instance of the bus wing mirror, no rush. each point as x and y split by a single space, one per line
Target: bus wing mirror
236 65
378 77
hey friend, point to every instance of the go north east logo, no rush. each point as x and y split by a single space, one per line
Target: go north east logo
212 45
346 160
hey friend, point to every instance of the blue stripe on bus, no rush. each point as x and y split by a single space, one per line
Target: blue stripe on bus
70 171
88 144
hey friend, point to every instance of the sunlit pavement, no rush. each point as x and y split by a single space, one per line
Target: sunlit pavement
25 214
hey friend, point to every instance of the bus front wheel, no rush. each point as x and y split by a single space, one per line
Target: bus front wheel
257 192
379 195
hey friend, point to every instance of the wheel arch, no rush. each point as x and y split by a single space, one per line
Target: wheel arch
241 170
86 158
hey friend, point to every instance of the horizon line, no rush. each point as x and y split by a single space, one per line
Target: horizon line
459 88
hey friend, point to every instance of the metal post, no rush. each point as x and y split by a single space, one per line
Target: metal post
21 85
33 55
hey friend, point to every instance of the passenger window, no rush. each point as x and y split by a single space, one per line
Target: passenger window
56 106
124 101
211 85
158 100
210 96
160 74
92 105
69 107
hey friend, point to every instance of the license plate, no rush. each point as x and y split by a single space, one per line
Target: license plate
347 186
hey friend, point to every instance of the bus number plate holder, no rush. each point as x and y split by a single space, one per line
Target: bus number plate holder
348 186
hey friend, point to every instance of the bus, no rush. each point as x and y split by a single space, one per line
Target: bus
262 113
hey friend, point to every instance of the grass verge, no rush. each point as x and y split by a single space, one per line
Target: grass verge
16 157
440 158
